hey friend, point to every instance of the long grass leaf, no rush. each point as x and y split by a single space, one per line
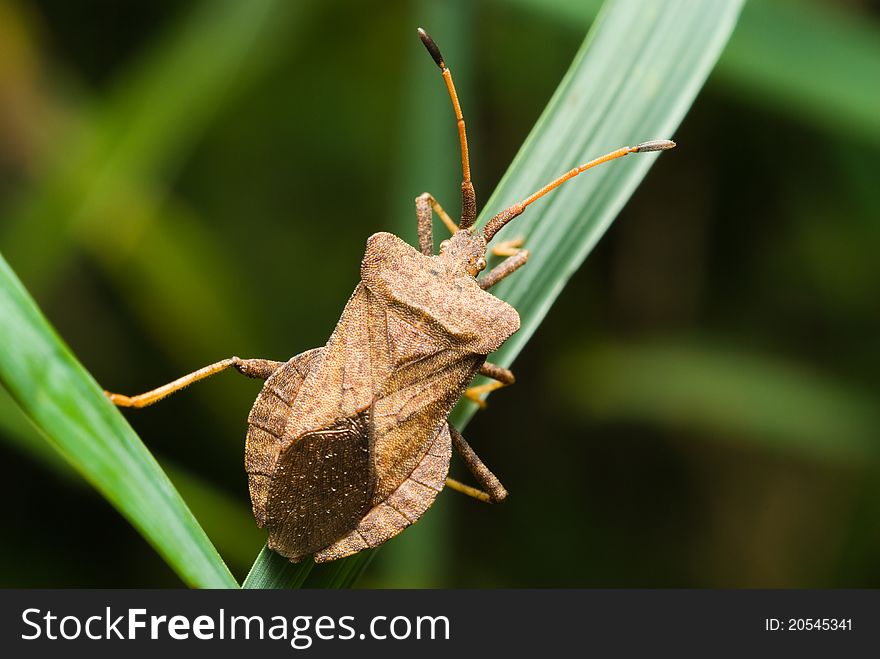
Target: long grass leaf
764 62
228 521
68 406
106 190
273 571
619 91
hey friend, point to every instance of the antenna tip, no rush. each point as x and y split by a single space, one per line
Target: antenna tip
654 145
432 48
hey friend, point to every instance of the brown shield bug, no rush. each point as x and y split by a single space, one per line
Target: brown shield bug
349 444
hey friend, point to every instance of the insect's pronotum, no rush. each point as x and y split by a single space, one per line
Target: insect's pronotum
348 444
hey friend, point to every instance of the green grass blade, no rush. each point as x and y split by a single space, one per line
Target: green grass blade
634 79
273 571
228 521
68 406
106 189
618 92
340 574
764 61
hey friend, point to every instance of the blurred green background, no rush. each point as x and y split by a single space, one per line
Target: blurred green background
180 182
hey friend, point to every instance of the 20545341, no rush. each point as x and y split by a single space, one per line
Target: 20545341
808 624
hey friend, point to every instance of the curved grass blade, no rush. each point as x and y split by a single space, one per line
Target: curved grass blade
228 521
69 408
106 189
618 91
634 78
764 62
273 571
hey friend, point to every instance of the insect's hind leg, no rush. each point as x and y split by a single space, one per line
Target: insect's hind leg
516 258
493 491
424 203
502 377
252 368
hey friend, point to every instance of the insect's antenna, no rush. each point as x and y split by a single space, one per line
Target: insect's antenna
505 216
468 197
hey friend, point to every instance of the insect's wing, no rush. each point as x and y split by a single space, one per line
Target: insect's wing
361 479
404 506
321 487
407 415
266 424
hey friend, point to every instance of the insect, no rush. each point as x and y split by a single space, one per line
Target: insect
348 444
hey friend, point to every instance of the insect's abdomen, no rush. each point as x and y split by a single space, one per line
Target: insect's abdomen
322 486
404 506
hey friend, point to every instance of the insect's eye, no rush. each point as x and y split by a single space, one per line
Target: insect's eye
480 264
444 245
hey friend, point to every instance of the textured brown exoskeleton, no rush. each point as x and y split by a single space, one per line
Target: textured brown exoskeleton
349 444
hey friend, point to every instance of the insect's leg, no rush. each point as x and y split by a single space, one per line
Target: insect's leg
508 247
493 491
516 258
424 203
253 368
502 377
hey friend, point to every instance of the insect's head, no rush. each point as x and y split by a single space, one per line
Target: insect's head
465 251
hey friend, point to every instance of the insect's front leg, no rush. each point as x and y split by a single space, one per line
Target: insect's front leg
424 203
493 491
253 368
502 377
516 258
